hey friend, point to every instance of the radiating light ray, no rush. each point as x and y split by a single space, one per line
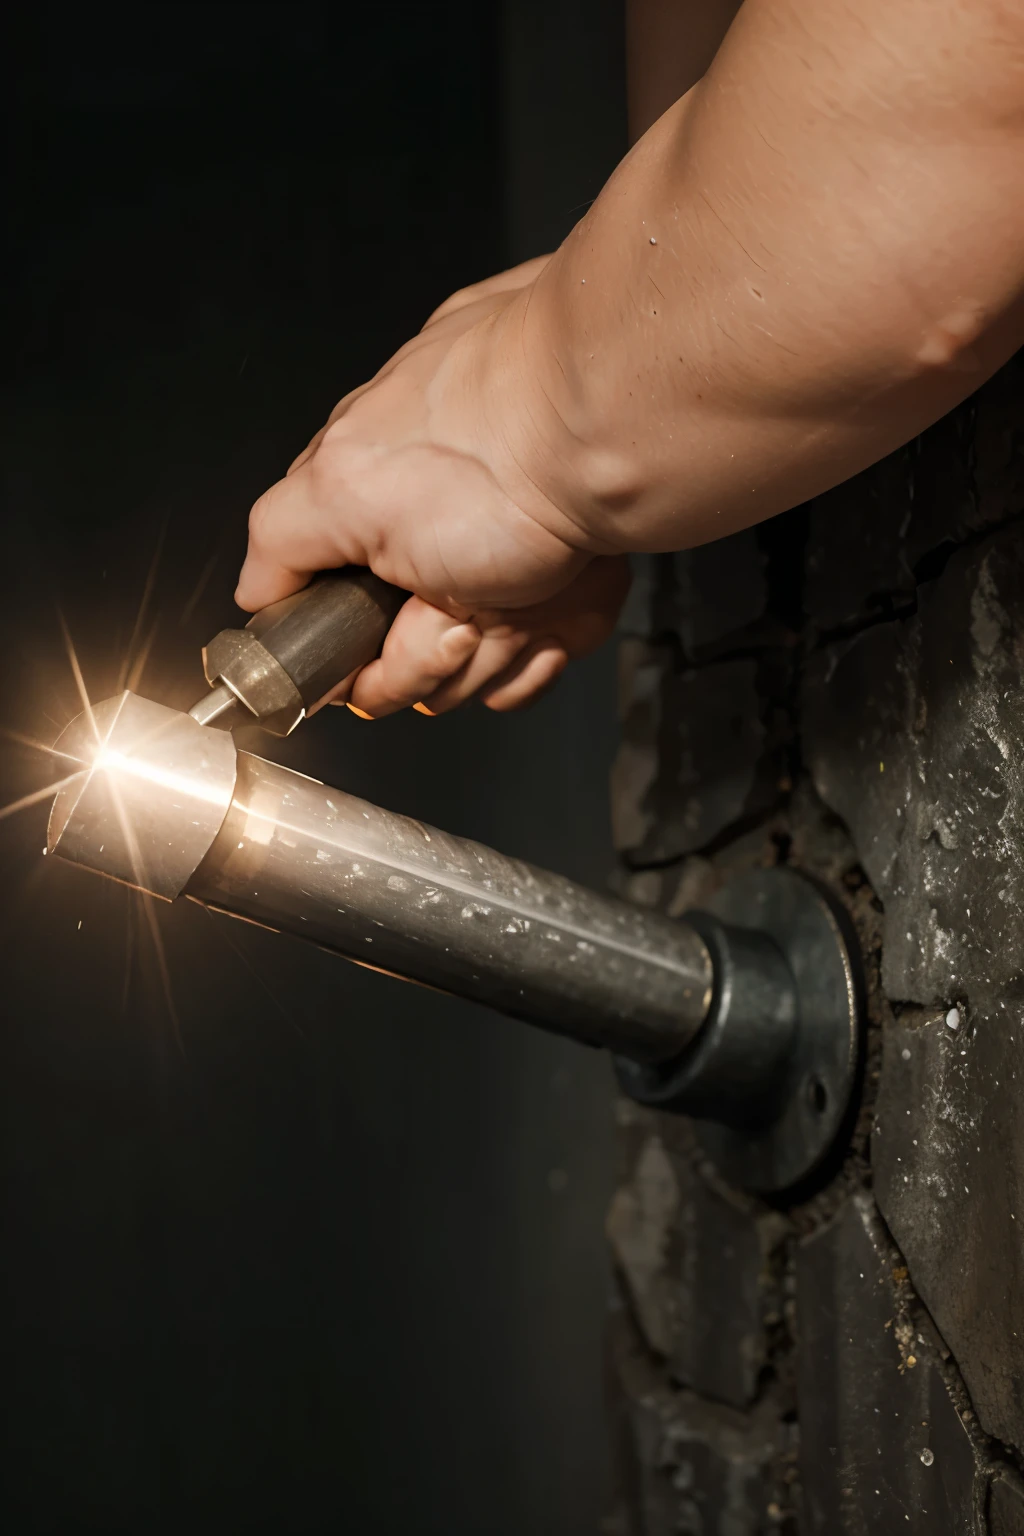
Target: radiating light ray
131 842
222 930
34 798
76 672
110 760
149 907
200 587
134 677
36 746
140 617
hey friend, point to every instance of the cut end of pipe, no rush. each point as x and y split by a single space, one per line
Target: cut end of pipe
152 794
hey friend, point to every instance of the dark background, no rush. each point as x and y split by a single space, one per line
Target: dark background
287 1246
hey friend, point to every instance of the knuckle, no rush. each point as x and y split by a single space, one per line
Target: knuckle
258 520
457 645
329 468
324 470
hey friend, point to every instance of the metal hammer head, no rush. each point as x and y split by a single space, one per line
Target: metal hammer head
153 792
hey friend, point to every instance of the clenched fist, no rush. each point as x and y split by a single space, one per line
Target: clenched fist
420 475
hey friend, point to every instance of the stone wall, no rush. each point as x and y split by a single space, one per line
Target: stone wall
841 690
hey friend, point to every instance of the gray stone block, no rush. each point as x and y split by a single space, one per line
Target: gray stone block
926 774
698 1272
720 591
638 616
872 539
856 562
643 669
882 1447
694 1468
998 440
719 746
640 1227
725 1292
860 760
948 1154
924 771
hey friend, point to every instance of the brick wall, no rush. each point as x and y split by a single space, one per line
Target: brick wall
842 690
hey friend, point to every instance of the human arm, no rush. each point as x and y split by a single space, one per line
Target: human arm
813 255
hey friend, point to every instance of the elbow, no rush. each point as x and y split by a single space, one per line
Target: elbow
952 342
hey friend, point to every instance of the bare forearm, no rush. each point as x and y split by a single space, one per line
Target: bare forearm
813 255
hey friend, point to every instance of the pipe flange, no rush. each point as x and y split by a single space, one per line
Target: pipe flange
770 1078
816 1094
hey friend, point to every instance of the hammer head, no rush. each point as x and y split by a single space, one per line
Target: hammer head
151 796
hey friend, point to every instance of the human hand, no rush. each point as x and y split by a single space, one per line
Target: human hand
420 475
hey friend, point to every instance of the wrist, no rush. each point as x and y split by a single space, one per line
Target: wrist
531 425
588 379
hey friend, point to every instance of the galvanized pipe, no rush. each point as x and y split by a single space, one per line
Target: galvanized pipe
390 892
167 804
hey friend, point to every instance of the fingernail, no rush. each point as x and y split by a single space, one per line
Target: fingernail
421 709
360 712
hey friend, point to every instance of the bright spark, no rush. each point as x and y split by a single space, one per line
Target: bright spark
149 907
154 773
36 746
76 673
139 665
140 618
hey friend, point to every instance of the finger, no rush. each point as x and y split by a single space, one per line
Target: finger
290 539
339 694
531 675
424 647
493 656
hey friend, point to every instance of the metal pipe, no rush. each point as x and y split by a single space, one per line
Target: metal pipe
288 852
747 1017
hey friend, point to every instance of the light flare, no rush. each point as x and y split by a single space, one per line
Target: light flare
30 741
149 907
109 759
139 665
103 758
25 802
34 798
76 672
